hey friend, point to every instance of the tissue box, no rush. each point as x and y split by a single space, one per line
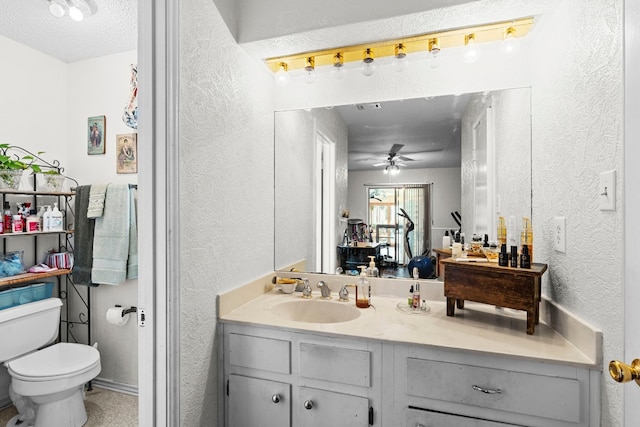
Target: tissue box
26 294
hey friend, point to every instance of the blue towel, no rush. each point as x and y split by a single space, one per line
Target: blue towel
113 238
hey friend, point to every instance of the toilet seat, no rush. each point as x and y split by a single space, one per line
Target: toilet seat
59 361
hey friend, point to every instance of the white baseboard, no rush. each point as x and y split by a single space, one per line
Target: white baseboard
114 386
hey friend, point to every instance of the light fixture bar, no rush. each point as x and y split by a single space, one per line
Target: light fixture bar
420 43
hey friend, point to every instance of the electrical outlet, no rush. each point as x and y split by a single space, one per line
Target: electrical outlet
607 191
558 225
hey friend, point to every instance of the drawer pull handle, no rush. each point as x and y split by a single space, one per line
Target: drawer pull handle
487 390
308 404
275 398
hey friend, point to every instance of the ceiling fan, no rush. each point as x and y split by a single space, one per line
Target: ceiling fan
393 160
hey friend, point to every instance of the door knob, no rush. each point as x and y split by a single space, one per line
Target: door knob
623 373
308 404
275 398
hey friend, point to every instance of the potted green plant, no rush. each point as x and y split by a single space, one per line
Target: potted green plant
12 167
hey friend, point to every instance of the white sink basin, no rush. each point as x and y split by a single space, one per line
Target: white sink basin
316 311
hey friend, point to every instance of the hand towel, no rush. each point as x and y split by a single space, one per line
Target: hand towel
83 238
132 261
111 237
96 200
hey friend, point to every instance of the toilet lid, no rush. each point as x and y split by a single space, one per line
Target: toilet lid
58 360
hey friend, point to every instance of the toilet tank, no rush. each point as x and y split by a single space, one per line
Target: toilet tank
28 327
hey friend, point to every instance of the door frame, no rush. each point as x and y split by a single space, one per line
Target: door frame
631 203
158 196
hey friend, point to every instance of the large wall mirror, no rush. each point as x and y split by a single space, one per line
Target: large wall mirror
474 149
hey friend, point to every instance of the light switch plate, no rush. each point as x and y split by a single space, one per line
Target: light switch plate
607 191
559 234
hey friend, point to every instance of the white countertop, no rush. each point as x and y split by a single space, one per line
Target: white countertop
476 328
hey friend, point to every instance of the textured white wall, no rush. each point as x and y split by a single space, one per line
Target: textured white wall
226 189
577 133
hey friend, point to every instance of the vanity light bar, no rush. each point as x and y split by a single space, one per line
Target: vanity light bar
447 39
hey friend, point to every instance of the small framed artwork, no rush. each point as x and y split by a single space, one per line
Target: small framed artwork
127 149
97 127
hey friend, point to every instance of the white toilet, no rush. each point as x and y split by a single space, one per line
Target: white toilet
47 386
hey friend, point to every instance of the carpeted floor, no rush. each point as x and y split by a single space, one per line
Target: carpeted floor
104 408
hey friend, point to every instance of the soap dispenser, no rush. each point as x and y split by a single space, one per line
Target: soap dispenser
372 270
363 290
55 221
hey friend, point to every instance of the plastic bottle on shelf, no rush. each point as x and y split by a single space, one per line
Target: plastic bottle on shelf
40 217
46 219
7 218
55 223
33 224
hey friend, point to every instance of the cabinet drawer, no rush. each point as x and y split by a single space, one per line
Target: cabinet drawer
266 354
424 418
522 393
335 364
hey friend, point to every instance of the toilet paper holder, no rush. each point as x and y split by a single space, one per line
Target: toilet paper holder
131 309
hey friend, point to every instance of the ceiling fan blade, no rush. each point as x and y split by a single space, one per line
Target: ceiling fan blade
404 159
380 164
395 148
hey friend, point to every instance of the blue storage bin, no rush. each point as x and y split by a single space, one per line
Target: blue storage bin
25 294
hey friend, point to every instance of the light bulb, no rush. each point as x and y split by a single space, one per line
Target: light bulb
434 51
368 67
310 70
472 50
75 14
399 63
510 44
386 170
282 75
56 9
338 72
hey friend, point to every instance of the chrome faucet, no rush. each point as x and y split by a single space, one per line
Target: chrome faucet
344 293
325 290
306 289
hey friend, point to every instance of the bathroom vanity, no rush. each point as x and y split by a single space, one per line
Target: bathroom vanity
386 367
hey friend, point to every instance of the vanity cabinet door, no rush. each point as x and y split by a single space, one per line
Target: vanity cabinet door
254 402
322 408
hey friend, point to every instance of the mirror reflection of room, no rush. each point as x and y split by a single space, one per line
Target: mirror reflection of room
434 163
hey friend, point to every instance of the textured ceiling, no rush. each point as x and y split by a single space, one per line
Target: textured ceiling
112 29
427 129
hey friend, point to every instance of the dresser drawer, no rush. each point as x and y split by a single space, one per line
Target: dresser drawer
425 418
538 395
266 354
335 364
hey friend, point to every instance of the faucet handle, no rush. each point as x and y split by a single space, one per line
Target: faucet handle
306 290
344 293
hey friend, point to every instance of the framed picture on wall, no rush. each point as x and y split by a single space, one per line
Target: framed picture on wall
97 128
127 149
